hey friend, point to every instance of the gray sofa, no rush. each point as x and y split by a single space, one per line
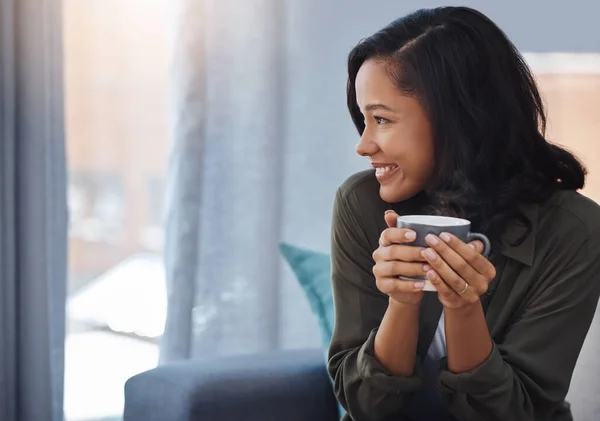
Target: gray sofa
288 385
282 386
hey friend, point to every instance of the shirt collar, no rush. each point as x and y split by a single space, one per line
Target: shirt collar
524 252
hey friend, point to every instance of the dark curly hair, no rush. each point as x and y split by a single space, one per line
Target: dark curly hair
488 120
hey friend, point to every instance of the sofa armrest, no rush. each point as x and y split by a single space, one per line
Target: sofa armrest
287 385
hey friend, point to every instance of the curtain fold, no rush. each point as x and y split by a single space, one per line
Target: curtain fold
33 212
224 193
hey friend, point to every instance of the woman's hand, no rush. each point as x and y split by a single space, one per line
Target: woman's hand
394 259
459 271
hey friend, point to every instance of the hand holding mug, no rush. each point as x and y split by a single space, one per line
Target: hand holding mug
396 261
459 272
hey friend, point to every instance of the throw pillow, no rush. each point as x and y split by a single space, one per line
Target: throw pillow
313 272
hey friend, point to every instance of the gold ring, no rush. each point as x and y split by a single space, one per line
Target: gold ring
464 290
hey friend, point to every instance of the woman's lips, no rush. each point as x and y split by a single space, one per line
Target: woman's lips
386 173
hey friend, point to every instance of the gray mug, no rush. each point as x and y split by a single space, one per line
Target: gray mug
433 224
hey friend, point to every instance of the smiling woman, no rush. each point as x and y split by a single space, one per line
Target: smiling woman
452 121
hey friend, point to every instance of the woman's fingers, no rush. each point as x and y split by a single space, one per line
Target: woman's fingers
476 245
399 252
394 261
472 255
458 270
391 236
391 285
452 267
442 272
395 268
391 218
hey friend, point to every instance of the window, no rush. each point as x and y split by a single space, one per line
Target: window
570 86
116 75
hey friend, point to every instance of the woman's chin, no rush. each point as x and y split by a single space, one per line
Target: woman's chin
395 192
391 193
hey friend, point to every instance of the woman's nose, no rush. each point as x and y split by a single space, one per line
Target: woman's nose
365 147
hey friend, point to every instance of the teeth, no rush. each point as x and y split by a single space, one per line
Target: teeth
383 170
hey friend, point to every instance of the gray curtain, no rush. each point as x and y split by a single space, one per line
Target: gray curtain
224 200
33 212
261 140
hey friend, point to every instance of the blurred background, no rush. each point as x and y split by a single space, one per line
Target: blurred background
200 134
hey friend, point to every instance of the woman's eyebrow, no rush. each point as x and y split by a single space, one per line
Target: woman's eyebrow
373 107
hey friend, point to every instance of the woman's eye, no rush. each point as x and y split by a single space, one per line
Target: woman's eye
381 120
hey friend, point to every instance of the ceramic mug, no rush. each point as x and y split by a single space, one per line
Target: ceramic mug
433 224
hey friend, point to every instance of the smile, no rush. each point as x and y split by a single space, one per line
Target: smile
385 173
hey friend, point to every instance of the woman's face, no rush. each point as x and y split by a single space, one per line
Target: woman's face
397 136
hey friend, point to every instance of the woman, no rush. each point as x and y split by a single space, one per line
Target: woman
451 119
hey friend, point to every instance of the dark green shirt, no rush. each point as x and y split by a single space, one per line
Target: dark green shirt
538 310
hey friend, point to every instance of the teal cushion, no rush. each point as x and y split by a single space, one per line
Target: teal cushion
313 271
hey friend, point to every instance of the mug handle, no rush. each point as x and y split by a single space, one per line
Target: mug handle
486 242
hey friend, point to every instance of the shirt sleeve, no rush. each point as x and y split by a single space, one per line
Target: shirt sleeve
362 385
527 375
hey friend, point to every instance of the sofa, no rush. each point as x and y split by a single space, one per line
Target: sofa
286 385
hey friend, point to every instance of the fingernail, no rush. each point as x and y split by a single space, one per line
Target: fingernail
388 211
431 240
429 254
472 245
420 285
426 268
411 235
444 236
431 275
